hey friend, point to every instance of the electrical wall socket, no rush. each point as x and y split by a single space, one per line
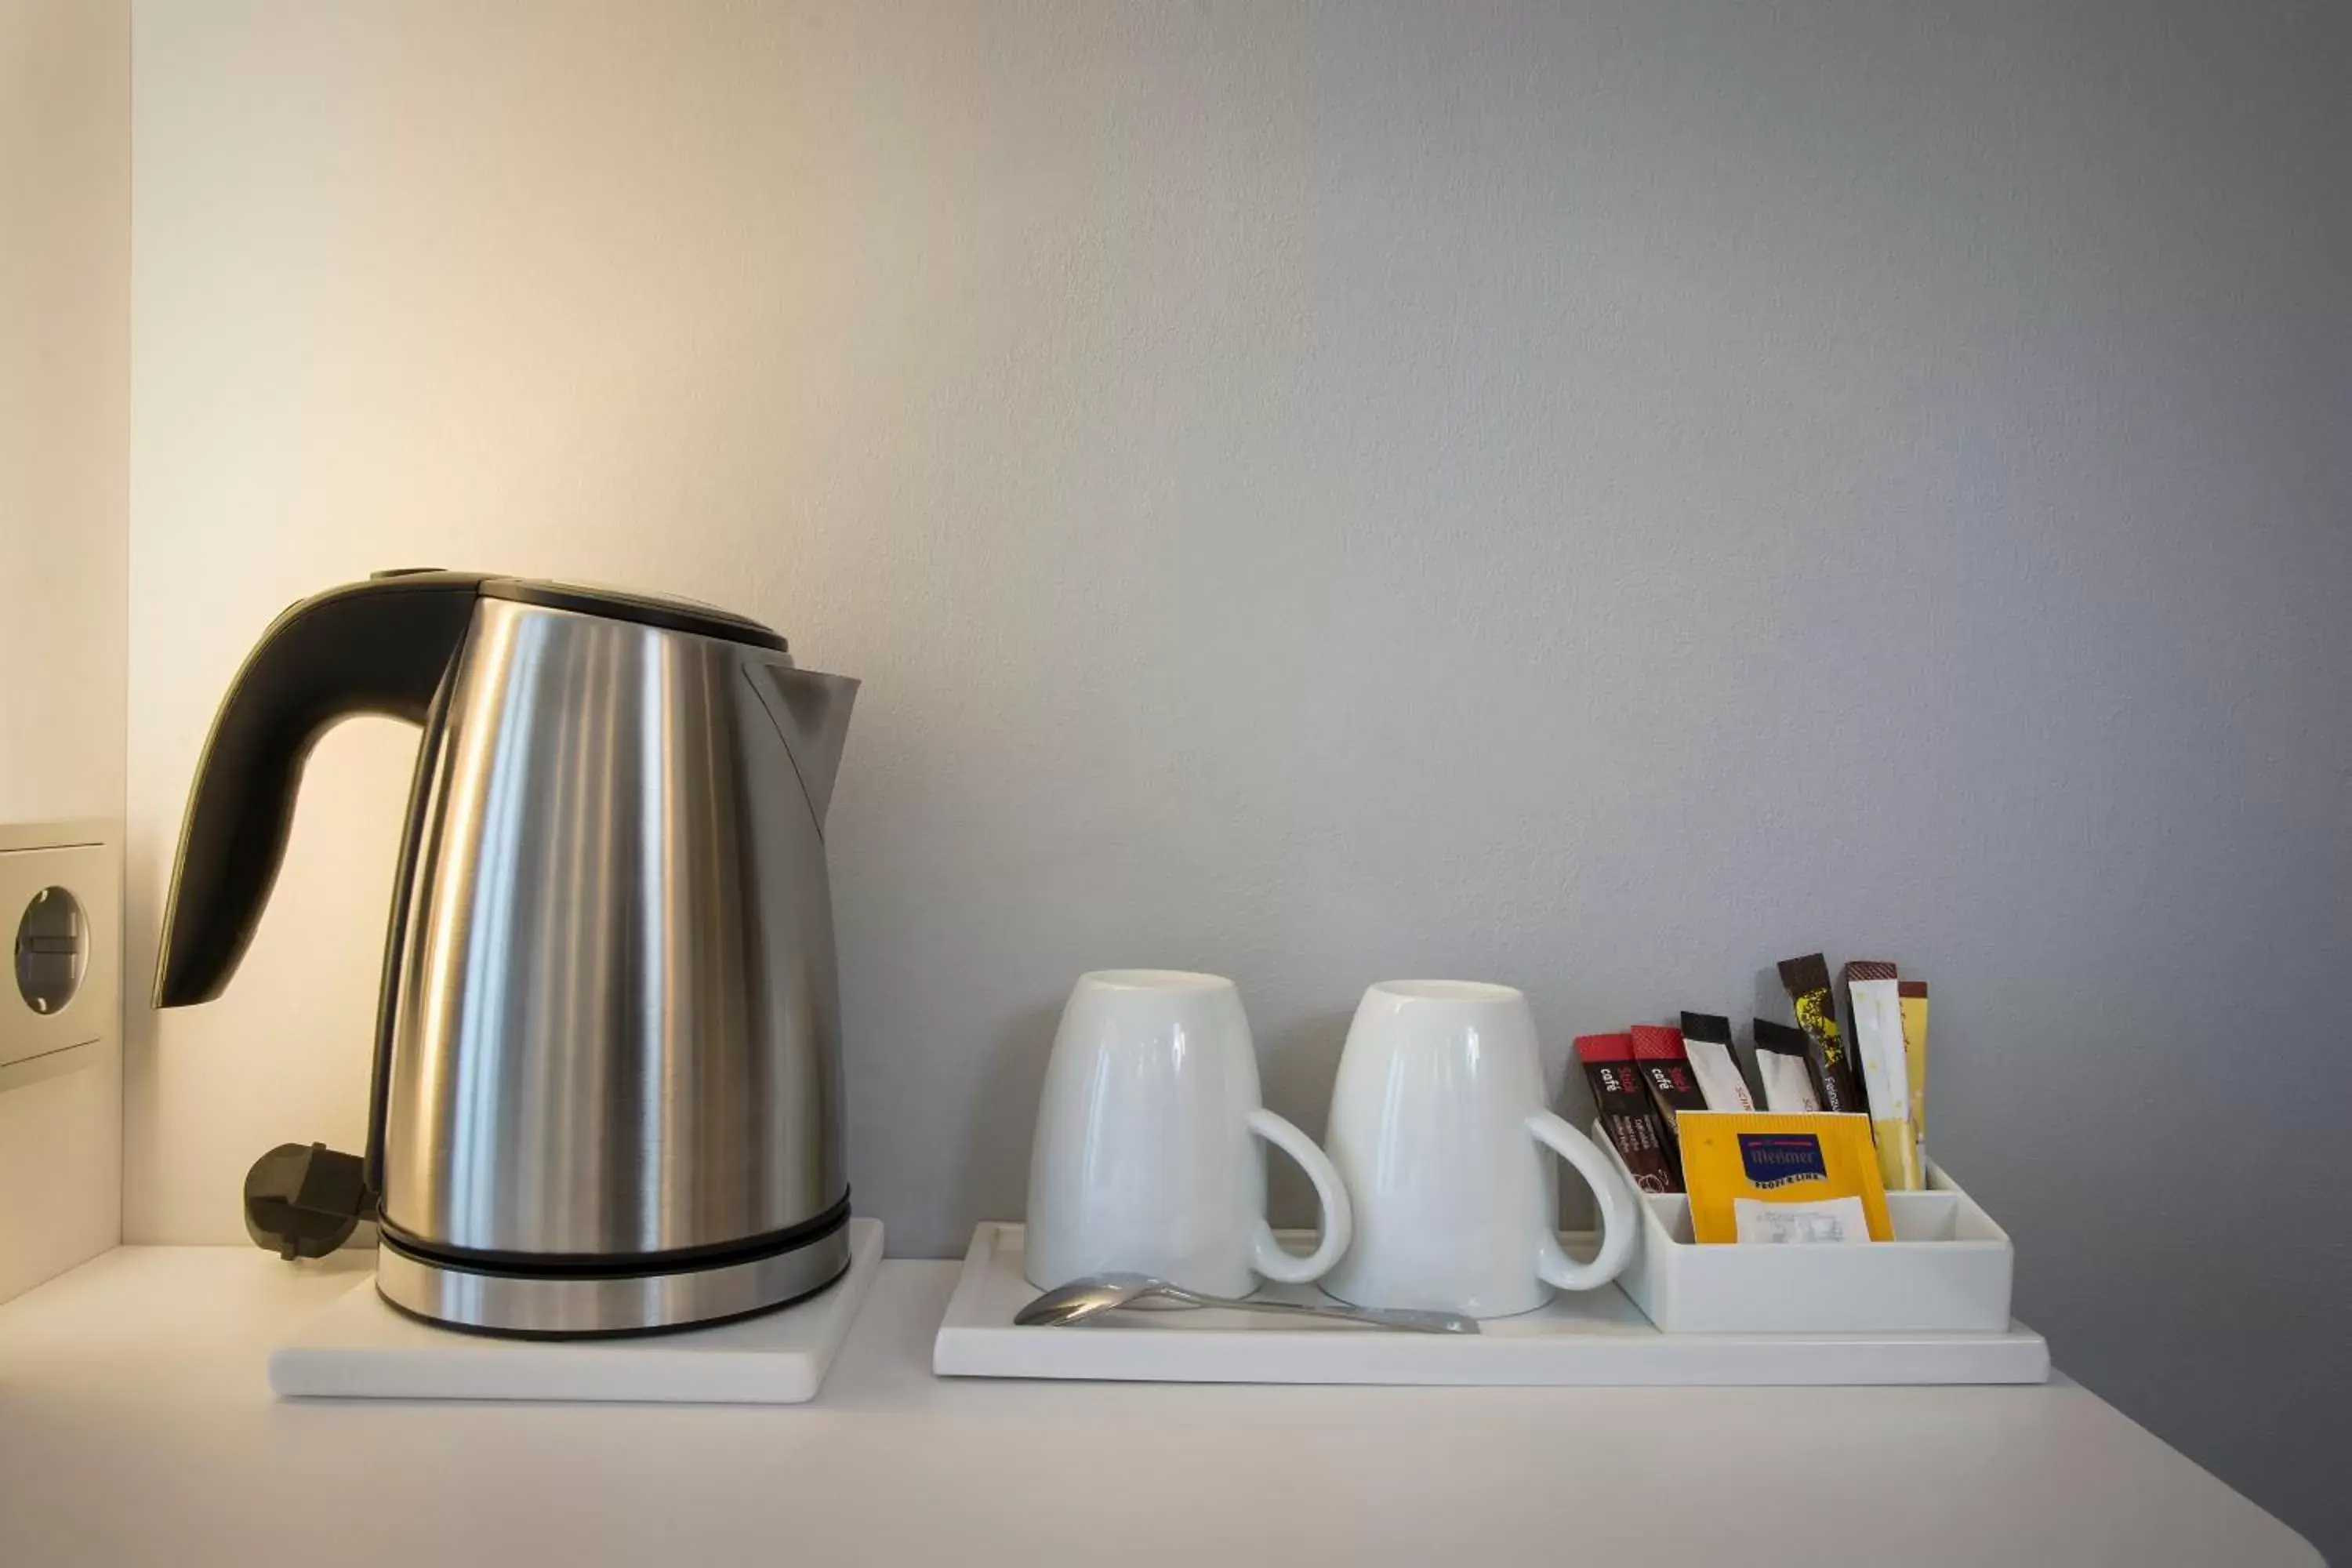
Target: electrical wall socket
61 921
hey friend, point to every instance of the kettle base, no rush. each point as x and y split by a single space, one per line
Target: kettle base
571 1305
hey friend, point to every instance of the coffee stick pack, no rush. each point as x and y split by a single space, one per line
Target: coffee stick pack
1665 1069
1626 1115
1780 1067
1808 982
1707 1039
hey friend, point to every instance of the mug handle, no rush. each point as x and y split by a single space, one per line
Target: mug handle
1269 1257
1618 1218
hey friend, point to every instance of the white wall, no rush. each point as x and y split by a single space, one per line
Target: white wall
65 412
1601 497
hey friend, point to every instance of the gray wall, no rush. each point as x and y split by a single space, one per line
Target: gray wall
1597 497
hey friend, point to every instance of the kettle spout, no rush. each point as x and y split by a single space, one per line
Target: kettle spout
811 712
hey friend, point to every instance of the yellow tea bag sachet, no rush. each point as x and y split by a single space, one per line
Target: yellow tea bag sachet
1756 1176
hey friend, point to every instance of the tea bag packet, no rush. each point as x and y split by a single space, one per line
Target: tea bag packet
1878 1041
1781 1067
1808 982
1790 1180
1626 1114
1707 1041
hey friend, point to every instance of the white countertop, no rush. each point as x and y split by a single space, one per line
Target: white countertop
136 1426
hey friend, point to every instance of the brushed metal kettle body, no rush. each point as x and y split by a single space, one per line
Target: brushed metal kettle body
608 1087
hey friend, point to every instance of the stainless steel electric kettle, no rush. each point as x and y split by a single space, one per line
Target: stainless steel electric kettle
608 1090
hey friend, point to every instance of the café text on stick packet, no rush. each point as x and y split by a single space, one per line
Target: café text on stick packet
1664 1066
1665 1072
1626 1115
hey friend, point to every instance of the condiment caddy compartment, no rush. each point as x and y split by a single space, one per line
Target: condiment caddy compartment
1948 1270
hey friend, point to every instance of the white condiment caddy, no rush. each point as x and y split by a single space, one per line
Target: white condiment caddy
1948 1270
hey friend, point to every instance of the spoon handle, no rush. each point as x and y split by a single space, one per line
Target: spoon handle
1378 1317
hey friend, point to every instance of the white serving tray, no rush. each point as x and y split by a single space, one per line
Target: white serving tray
1948 1270
1597 1338
362 1349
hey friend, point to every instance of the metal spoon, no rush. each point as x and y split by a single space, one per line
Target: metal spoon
1098 1293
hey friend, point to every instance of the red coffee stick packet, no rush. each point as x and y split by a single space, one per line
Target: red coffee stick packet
1626 1115
1664 1066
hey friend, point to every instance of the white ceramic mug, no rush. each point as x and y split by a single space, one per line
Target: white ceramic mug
1440 1130
1147 1157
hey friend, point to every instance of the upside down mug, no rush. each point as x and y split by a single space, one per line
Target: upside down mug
1148 1157
1440 1130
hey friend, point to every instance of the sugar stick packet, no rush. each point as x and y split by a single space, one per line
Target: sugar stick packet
1878 1041
1780 1053
1856 969
1913 994
1707 1040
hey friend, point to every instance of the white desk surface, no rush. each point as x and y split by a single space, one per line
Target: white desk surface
137 1426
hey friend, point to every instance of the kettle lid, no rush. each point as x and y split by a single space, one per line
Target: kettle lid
670 614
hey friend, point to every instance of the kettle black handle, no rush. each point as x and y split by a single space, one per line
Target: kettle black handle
379 646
